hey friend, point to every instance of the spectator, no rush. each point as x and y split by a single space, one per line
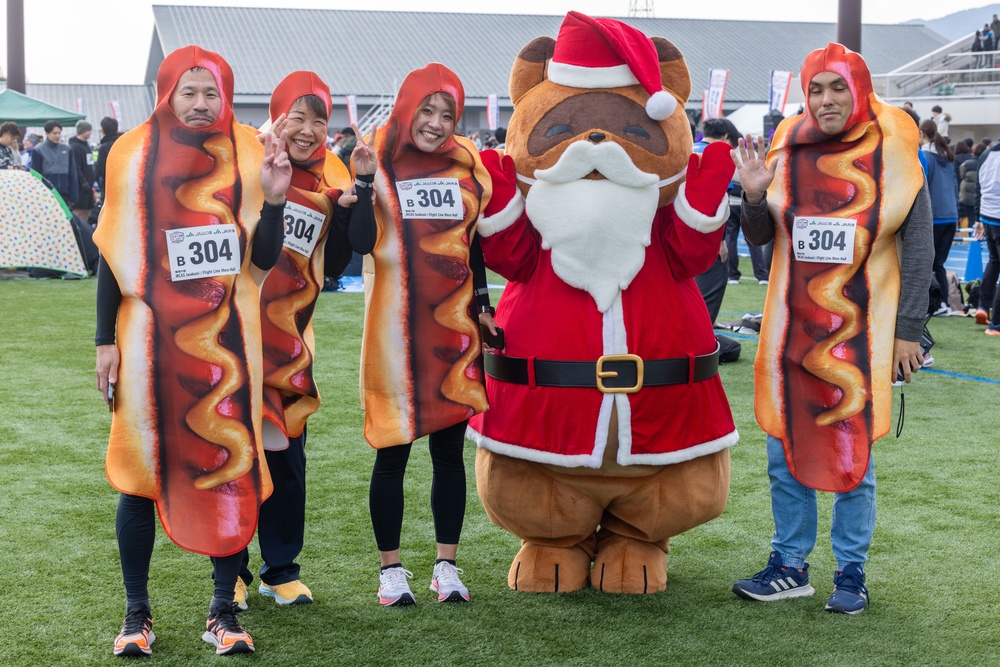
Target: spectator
977 47
941 121
501 136
995 28
989 43
909 107
83 157
28 145
347 145
988 227
942 184
968 179
109 134
9 134
54 161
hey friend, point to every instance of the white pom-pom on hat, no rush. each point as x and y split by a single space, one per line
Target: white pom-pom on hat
660 105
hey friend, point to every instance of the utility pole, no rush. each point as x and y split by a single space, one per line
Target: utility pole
849 24
641 9
15 45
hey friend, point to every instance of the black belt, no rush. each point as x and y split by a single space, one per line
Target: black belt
611 374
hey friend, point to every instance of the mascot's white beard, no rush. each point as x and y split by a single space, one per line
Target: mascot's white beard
598 230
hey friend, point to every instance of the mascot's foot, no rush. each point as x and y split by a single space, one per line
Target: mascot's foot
543 569
625 565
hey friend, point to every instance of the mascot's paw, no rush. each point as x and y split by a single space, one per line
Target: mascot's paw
625 565
506 204
544 569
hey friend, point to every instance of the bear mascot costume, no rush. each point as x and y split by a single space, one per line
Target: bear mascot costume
609 429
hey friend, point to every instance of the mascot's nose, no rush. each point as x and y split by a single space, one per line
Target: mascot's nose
597 137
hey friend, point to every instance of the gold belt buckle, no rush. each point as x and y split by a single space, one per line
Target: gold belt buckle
602 374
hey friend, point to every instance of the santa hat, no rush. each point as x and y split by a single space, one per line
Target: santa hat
605 53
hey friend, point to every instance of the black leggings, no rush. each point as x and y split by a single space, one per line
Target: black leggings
135 525
385 495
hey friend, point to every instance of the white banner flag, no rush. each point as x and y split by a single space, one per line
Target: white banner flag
116 111
780 83
493 111
716 92
352 108
79 106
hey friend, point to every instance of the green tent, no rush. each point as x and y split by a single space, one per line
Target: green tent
29 112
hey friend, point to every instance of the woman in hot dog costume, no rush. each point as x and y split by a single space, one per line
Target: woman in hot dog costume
848 210
421 355
191 224
315 246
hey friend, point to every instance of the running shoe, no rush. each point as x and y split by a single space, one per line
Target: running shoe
775 582
291 592
849 593
943 309
240 595
393 589
136 637
223 631
447 585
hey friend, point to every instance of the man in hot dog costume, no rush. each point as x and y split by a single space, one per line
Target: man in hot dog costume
609 429
190 226
849 213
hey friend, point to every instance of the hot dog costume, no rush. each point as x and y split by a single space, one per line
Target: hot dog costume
583 474
288 296
186 424
822 384
420 360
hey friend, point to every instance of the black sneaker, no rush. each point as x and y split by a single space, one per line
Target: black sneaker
775 582
136 637
223 631
849 593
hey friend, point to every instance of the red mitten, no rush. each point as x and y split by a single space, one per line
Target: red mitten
708 179
504 180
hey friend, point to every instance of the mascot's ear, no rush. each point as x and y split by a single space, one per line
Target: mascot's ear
529 67
673 70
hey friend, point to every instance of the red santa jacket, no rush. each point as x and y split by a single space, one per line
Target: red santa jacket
661 314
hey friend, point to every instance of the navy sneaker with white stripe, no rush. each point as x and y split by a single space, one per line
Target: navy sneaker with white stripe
849 593
775 582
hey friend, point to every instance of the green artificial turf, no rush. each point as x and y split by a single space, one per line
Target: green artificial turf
933 571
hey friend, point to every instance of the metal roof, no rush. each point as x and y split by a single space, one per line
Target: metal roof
264 44
136 102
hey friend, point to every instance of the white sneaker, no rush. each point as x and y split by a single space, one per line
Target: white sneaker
762 282
928 362
447 585
944 309
732 281
393 590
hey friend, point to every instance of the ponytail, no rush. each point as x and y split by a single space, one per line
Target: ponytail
941 147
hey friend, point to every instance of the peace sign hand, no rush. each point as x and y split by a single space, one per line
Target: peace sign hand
363 157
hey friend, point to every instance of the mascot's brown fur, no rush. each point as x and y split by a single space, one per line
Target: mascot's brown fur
608 526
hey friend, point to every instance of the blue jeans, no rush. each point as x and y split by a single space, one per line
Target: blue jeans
794 508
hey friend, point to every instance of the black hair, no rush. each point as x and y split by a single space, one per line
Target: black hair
720 128
315 104
936 108
929 128
109 126
11 128
962 147
51 125
501 134
913 115
347 131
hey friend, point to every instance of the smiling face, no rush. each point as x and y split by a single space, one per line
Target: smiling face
306 131
830 101
196 100
433 123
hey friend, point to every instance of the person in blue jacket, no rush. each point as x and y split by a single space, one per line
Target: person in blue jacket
942 184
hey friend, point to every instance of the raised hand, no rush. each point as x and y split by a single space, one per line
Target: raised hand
363 156
276 169
504 177
755 174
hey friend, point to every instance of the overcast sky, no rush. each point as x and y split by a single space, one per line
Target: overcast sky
107 41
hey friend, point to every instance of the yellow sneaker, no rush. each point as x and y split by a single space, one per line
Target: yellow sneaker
293 592
240 597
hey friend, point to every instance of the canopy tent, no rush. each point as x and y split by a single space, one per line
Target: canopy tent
29 112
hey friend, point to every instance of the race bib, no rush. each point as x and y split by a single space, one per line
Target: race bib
430 198
302 228
203 252
825 240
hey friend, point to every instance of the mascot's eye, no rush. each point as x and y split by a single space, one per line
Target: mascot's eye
638 131
558 129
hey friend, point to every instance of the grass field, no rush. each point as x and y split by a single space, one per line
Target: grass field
933 572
